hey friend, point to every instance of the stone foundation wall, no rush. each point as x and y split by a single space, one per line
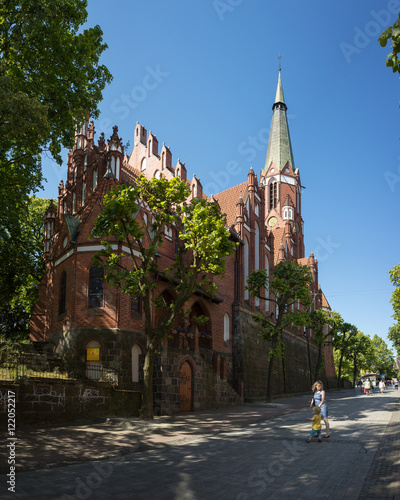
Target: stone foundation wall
291 374
54 401
209 388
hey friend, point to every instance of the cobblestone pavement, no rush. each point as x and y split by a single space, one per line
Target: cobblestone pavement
241 453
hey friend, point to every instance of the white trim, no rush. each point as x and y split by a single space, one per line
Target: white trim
247 227
267 247
98 248
257 197
135 252
288 180
64 257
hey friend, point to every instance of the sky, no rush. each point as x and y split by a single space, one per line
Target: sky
202 76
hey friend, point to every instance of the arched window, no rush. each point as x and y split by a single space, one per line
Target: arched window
117 167
227 332
85 163
63 293
96 287
143 166
112 166
73 202
135 356
94 179
246 266
273 196
83 192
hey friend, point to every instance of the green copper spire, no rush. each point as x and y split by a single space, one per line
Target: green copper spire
279 146
279 91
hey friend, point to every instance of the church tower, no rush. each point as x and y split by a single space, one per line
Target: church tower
282 184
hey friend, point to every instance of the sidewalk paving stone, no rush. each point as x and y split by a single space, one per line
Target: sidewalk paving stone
250 452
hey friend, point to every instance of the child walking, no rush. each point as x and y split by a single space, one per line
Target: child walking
316 424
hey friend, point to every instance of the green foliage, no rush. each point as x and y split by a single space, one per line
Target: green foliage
138 216
395 300
393 33
394 336
380 359
355 358
21 267
318 320
50 78
202 238
343 340
287 285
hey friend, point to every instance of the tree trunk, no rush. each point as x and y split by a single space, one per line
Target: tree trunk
340 370
354 370
309 360
269 381
318 366
146 412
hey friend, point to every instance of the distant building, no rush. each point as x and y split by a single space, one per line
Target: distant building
226 361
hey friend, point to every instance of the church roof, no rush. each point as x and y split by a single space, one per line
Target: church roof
279 146
228 199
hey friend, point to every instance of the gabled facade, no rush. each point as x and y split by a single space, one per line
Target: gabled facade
226 361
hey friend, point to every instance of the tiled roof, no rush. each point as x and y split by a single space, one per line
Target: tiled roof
325 302
228 199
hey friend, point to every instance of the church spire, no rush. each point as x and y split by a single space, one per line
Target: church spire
279 150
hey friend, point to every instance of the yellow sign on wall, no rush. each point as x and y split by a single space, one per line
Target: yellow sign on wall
93 354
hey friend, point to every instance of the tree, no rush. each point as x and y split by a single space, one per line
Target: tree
343 337
288 285
358 353
21 268
381 357
319 320
202 244
392 32
395 300
394 336
50 78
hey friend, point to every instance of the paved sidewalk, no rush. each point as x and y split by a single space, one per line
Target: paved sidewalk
241 453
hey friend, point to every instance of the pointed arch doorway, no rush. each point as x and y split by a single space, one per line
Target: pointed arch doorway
185 387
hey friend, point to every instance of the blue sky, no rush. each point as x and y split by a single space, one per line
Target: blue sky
202 75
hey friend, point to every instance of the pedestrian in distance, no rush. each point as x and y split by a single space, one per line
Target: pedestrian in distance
367 386
319 400
316 424
381 386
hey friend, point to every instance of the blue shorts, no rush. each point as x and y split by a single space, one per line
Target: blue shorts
313 432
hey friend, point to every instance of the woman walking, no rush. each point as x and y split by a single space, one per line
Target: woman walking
319 400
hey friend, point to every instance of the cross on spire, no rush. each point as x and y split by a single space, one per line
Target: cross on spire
279 59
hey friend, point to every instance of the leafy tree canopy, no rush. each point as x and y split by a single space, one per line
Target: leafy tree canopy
21 268
288 286
50 78
138 216
395 300
394 336
393 33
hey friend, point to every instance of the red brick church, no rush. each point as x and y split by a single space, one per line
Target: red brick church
97 326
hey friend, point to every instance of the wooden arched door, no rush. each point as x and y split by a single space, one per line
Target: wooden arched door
185 387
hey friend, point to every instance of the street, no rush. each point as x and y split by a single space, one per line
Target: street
256 451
